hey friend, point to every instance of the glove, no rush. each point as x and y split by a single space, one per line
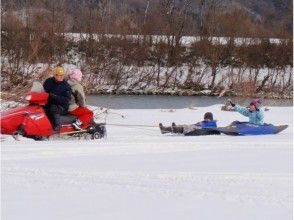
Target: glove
231 103
52 96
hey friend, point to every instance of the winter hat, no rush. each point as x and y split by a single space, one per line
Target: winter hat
208 115
256 103
76 74
58 71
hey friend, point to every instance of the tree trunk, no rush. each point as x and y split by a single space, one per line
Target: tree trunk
213 73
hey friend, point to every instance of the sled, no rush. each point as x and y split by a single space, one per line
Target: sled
190 131
246 128
203 131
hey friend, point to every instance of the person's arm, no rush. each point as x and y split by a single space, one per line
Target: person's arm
260 116
46 85
62 99
242 110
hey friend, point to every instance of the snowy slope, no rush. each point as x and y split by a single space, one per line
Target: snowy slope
137 173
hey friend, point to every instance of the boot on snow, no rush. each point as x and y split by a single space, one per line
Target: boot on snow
164 130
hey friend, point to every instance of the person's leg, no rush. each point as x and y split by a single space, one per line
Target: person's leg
164 130
177 129
84 114
54 112
190 128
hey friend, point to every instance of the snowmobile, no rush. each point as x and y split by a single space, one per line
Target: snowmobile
31 121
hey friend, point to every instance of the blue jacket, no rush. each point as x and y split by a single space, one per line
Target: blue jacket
255 117
61 91
207 124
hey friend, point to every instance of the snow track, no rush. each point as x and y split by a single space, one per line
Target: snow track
135 175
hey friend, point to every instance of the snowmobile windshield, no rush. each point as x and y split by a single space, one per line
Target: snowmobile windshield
37 87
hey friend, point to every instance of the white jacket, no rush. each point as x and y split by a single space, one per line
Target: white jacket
78 97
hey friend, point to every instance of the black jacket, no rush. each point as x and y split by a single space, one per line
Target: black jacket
60 92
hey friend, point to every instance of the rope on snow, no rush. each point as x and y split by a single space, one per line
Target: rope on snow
107 112
133 125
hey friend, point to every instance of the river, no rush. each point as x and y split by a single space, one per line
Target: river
171 102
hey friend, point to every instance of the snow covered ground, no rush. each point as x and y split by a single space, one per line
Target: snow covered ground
185 40
137 173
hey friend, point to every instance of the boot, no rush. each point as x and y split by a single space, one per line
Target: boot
56 128
164 130
77 125
177 129
56 123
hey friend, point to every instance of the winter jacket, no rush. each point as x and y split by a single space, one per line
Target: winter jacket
78 97
207 124
255 117
60 92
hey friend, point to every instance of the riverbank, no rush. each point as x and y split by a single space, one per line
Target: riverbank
229 93
153 101
173 102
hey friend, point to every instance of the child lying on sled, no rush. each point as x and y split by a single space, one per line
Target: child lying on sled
208 122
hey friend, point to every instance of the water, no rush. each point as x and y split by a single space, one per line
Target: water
170 102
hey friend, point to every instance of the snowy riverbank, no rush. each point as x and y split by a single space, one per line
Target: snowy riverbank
137 173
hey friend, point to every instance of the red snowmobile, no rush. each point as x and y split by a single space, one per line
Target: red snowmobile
31 121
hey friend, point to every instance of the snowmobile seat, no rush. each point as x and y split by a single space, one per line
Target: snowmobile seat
68 119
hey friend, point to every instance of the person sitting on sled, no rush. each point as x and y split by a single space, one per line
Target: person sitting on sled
59 95
208 122
77 105
253 111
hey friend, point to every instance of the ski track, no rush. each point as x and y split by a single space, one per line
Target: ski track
48 149
250 188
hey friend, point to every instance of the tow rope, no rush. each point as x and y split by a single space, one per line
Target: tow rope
107 111
132 125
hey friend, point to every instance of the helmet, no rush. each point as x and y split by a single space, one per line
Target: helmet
76 74
58 71
208 116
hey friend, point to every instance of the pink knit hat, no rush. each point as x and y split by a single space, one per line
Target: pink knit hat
256 103
76 74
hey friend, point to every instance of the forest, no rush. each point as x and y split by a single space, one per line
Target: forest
151 47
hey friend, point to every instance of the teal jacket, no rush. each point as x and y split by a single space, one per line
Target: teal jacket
255 117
